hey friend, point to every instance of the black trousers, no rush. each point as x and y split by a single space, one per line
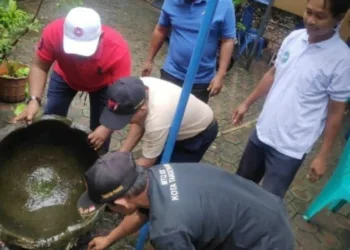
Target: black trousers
198 90
194 148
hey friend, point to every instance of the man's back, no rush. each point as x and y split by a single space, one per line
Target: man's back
162 103
209 208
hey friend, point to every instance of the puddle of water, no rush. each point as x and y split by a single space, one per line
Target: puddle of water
40 185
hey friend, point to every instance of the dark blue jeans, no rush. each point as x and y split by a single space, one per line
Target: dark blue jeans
60 96
262 161
193 149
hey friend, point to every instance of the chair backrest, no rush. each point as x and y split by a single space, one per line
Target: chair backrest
247 17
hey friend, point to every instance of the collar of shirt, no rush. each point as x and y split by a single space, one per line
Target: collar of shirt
324 44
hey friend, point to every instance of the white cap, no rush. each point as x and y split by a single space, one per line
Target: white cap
82 30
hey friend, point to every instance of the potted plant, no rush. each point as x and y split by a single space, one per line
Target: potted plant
14 23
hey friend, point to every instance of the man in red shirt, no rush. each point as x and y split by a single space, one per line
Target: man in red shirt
86 56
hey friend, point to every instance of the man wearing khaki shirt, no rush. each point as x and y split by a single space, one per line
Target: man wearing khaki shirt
148 104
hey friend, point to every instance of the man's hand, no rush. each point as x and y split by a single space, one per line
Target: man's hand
147 68
28 113
216 85
317 168
99 243
239 113
99 136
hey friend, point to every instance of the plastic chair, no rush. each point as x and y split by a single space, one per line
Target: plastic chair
247 37
336 193
248 40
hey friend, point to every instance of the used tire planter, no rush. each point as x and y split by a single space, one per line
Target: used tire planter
42 169
12 89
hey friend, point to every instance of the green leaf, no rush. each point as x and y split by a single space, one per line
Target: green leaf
20 108
22 72
241 26
4 3
13 23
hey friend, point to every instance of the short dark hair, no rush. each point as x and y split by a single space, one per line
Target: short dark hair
338 7
140 184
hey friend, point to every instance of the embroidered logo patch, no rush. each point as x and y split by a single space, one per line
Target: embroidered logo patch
285 57
78 32
112 105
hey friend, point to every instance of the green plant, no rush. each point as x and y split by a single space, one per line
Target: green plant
14 23
4 3
20 107
238 5
241 26
237 2
22 72
12 72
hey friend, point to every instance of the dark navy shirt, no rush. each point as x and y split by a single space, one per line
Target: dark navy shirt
199 206
184 18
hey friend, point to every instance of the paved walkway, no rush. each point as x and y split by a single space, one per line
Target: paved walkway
135 19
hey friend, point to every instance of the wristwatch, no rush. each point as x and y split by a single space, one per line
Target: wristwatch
38 99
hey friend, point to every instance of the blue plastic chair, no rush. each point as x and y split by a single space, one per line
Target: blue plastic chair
336 193
248 36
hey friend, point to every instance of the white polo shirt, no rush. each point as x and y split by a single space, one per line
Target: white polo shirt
307 77
162 103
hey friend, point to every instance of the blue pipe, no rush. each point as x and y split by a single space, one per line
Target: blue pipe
185 94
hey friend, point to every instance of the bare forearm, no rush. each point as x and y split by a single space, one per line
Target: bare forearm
146 162
134 136
333 124
128 226
263 87
158 37
37 77
226 50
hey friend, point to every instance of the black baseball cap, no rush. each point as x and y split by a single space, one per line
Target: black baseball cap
125 96
108 179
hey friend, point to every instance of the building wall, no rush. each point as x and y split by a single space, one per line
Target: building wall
345 28
297 7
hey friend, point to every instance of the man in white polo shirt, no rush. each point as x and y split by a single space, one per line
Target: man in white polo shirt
306 94
148 104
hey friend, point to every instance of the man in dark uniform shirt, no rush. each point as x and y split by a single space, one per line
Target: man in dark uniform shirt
189 206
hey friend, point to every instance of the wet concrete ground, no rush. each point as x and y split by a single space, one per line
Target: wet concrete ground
135 19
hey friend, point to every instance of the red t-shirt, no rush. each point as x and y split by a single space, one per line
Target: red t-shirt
111 61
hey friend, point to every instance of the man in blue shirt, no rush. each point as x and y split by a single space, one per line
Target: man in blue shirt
184 18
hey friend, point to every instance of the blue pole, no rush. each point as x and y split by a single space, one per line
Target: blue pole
185 94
